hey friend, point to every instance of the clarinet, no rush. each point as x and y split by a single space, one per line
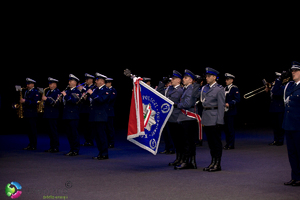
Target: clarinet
59 97
93 87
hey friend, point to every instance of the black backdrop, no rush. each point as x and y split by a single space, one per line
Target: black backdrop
250 57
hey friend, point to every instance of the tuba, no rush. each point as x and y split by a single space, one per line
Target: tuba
40 107
19 107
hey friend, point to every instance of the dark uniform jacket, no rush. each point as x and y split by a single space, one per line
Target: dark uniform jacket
71 108
111 102
85 103
99 104
174 94
292 108
277 104
30 106
51 109
232 98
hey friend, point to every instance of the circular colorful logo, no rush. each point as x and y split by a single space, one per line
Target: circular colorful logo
12 190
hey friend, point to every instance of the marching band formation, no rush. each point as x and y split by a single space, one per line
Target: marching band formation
217 106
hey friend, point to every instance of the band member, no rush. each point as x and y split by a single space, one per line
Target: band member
232 98
30 102
51 114
173 91
71 114
291 123
187 103
110 130
213 100
277 110
84 110
98 115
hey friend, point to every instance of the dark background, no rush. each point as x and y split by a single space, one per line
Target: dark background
251 49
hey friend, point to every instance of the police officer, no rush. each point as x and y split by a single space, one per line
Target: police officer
30 102
232 98
213 101
291 123
85 110
98 115
147 80
110 130
71 114
277 110
187 103
174 93
51 114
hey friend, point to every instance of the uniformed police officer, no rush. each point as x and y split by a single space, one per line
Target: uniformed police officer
110 130
98 115
51 113
232 98
277 110
213 101
147 80
30 102
85 110
291 123
71 114
187 142
174 93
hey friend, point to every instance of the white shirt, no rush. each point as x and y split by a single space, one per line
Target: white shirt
176 86
297 83
212 84
101 86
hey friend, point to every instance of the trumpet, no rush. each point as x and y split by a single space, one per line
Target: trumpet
40 108
258 90
19 107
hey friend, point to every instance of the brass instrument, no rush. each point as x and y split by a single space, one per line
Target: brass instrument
19 107
41 106
258 90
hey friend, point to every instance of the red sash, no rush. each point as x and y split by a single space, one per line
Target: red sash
195 116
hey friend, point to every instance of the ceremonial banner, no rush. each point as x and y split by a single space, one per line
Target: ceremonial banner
149 112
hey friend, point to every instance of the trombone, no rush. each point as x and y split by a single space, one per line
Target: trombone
258 90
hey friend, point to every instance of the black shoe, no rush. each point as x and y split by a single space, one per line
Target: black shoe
87 144
199 144
184 165
29 148
297 183
164 152
216 166
279 143
99 157
111 146
213 160
170 152
54 151
72 154
48 151
176 161
228 147
291 182
193 164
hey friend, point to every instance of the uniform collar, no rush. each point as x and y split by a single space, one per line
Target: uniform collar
30 89
187 86
212 84
297 83
228 86
110 87
73 88
101 86
176 86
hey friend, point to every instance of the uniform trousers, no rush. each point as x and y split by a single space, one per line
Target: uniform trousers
188 137
229 130
277 119
169 146
110 130
98 129
32 131
84 127
72 134
293 147
53 133
213 135
176 132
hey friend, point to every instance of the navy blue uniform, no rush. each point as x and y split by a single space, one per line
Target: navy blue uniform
30 114
71 115
291 126
232 98
51 113
277 110
111 113
98 116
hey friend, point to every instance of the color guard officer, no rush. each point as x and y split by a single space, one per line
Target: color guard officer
291 123
213 100
30 102
71 114
232 98
51 114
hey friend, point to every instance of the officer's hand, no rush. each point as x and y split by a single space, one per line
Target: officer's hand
227 105
22 100
44 98
90 91
64 93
